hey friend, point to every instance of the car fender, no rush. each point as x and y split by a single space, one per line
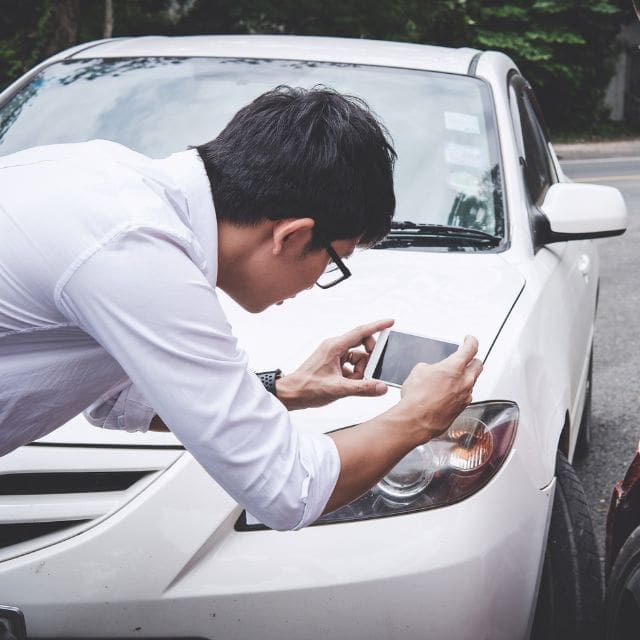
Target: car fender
535 375
523 377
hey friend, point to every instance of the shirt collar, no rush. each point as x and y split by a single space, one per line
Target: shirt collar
187 170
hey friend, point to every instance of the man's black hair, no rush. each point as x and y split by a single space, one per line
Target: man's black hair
297 153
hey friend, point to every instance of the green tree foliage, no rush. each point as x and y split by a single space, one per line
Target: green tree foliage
20 46
565 48
32 30
436 21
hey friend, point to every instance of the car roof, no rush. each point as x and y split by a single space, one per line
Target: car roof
311 48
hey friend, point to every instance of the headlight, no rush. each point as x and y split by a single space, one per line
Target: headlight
445 470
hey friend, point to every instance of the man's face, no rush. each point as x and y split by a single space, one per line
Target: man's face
267 263
300 273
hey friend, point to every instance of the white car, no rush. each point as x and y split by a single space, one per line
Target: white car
483 533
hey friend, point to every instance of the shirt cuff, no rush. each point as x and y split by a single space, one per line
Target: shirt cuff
322 461
126 410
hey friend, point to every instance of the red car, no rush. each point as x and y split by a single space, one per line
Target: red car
623 557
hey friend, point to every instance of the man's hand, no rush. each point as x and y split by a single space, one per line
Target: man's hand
431 398
334 370
435 394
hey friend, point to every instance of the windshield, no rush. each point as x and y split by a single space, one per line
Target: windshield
442 125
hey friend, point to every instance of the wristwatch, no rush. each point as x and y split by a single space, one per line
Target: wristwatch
268 379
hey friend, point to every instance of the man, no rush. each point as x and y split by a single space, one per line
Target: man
110 263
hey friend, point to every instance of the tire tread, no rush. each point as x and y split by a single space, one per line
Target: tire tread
573 573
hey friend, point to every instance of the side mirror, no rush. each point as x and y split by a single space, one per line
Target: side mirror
580 211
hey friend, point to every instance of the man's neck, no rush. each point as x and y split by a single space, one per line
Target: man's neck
239 250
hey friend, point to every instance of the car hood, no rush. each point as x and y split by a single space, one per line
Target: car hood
444 295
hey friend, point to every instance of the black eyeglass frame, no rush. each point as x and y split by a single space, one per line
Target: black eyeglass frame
337 260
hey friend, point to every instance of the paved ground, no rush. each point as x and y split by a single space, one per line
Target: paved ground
616 371
617 149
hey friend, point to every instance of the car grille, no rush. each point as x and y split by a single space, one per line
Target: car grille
49 493
70 482
17 532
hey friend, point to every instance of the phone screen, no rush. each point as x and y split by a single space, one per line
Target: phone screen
403 351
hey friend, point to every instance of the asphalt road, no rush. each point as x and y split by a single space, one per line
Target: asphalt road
616 374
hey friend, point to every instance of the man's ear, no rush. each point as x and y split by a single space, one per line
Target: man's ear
294 233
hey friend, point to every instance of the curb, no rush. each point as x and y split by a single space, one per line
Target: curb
593 150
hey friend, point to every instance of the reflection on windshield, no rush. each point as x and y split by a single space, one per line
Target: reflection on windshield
447 170
88 71
471 208
13 109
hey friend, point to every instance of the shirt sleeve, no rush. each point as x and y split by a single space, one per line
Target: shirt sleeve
125 409
142 298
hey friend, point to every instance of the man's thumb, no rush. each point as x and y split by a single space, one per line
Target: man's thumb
365 388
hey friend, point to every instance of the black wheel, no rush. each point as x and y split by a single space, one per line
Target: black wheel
584 434
571 589
623 593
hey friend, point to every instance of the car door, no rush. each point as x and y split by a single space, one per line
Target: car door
569 270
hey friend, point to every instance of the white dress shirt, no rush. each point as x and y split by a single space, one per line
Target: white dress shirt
108 264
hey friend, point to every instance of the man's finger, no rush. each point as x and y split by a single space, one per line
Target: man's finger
470 379
363 388
475 368
357 336
369 344
359 361
466 351
352 356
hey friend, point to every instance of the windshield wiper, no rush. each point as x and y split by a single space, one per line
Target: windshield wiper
408 233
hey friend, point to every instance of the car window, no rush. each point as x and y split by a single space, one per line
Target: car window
442 125
539 172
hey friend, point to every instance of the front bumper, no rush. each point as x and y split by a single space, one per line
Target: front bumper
165 565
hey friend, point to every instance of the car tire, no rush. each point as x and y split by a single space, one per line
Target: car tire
583 443
570 596
623 594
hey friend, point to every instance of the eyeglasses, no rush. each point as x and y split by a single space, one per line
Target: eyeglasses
336 270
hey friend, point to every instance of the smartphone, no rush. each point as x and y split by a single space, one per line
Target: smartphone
396 353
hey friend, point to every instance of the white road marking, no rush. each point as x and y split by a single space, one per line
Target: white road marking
598 179
601 160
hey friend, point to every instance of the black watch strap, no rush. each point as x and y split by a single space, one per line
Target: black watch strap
268 379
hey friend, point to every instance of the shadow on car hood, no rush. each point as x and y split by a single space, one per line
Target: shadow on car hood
442 295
